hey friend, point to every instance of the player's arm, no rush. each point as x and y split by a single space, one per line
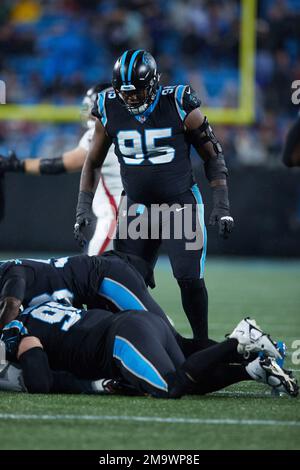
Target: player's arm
89 179
12 294
68 162
202 137
291 151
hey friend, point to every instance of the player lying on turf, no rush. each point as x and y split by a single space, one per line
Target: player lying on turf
106 281
109 187
139 349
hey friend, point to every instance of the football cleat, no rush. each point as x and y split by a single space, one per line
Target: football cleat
267 371
281 347
252 339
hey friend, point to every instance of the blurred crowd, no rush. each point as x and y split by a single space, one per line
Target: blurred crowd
53 50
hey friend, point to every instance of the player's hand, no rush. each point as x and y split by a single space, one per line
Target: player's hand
11 336
221 213
84 229
224 221
85 225
11 163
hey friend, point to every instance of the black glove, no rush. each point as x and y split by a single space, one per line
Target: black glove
11 335
85 225
120 387
11 163
220 213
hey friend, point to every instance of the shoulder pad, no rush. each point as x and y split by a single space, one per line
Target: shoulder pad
186 100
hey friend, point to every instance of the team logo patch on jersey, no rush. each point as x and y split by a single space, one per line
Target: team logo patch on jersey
142 119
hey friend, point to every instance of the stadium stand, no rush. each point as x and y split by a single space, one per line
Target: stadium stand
45 59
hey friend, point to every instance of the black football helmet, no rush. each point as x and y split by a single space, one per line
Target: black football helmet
135 80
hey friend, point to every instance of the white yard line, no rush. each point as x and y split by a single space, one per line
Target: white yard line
150 419
240 393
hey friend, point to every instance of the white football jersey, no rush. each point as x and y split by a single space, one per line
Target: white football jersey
110 169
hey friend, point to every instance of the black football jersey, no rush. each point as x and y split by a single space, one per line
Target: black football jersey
73 339
152 148
76 278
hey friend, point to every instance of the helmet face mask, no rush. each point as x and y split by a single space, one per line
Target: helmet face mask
135 80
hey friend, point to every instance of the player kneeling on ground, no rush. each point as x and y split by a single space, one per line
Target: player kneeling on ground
139 349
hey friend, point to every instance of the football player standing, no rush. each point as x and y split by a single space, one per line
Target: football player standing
152 128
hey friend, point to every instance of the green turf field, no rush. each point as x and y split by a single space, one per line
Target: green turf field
242 417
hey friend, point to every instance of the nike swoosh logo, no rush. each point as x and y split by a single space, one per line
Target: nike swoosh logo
180 209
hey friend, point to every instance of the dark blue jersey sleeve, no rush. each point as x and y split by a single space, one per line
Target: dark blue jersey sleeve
186 100
99 108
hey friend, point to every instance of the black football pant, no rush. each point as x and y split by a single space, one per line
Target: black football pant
144 352
179 226
123 288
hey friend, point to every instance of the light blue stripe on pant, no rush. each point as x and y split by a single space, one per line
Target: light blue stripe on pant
137 364
120 295
200 207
